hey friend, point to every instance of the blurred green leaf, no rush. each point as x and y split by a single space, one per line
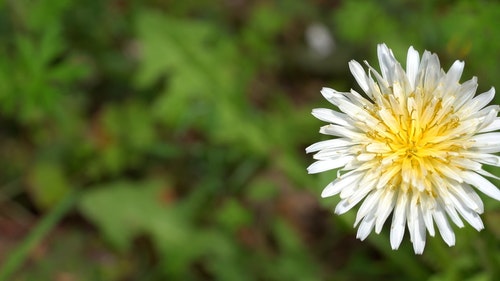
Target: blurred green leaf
123 210
48 184
261 189
233 215
32 82
294 262
203 76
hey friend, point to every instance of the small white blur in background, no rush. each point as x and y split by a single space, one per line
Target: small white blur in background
319 39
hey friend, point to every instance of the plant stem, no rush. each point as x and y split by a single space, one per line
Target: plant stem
19 255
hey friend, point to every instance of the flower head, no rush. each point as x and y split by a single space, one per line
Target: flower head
413 147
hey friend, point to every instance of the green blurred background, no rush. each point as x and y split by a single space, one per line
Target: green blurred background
164 140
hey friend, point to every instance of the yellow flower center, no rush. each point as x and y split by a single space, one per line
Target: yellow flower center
419 139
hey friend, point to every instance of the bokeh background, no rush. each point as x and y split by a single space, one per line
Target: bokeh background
164 140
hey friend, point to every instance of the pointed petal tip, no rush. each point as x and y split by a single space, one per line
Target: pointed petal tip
419 251
450 241
482 184
310 169
419 243
382 45
327 93
326 193
327 90
359 74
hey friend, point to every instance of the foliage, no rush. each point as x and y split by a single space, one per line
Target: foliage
182 127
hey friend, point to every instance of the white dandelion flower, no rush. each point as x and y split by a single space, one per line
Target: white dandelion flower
414 148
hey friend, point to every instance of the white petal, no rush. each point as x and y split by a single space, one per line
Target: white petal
452 213
357 99
484 98
488 119
368 205
487 174
344 205
332 154
470 216
365 157
465 93
378 147
412 63
491 148
348 191
450 172
477 103
472 195
355 111
418 229
486 143
454 74
486 139
429 71
333 143
388 175
340 183
389 119
325 165
490 159
482 184
385 208
382 85
465 163
467 195
399 220
493 126
427 207
444 226
386 61
347 203
340 131
331 116
447 205
328 93
365 227
359 74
